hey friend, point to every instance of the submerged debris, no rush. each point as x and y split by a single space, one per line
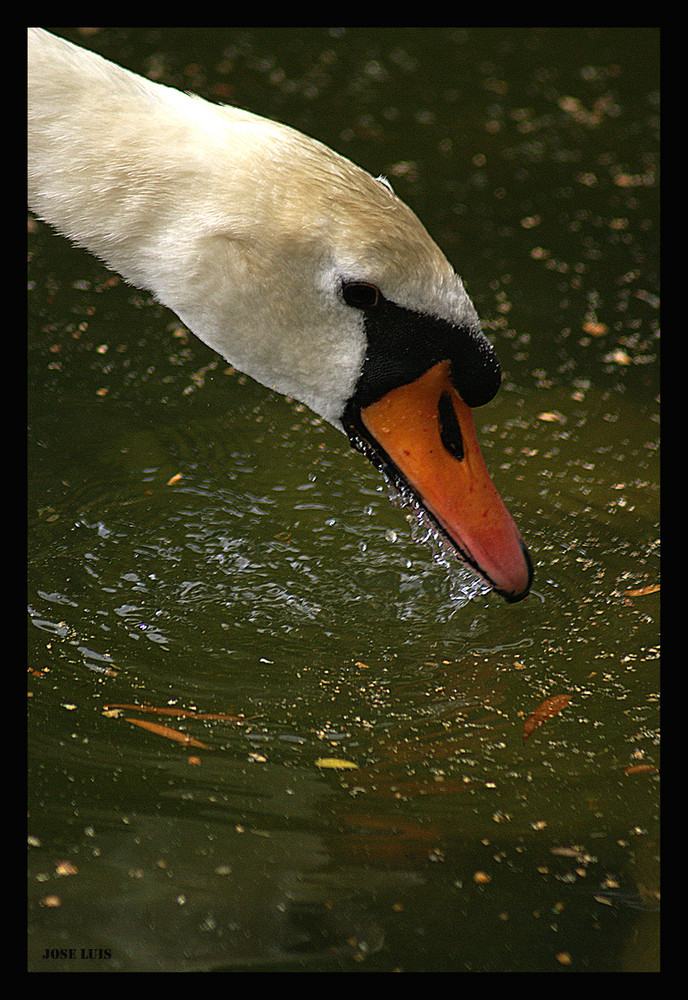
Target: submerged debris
549 708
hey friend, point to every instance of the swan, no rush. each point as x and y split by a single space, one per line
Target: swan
301 269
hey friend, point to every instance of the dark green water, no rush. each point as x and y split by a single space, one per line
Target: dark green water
274 579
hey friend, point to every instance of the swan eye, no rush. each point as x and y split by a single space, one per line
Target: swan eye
360 294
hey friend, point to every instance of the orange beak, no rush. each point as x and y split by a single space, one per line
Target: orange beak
426 431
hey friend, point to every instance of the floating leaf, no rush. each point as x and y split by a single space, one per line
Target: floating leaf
170 734
595 328
66 868
641 591
335 762
619 357
549 708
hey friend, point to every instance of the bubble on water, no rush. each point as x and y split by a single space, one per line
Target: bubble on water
464 585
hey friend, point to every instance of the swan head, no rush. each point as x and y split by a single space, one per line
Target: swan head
311 276
301 269
378 335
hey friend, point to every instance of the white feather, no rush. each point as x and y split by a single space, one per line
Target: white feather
243 226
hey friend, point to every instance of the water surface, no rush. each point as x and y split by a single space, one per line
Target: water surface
198 542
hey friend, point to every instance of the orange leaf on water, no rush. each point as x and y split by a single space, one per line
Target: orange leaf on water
170 734
549 708
642 591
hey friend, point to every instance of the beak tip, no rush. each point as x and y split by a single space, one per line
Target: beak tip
519 593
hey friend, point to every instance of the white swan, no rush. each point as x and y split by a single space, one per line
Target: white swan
298 267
